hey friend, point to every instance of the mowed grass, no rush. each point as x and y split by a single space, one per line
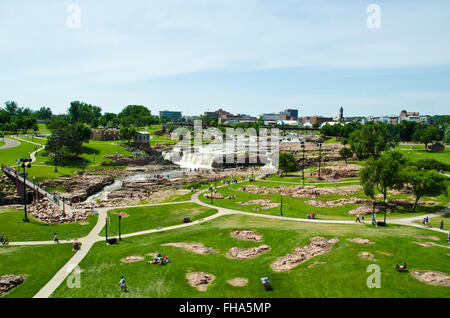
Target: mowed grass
16 230
420 153
38 263
151 217
10 156
298 208
343 273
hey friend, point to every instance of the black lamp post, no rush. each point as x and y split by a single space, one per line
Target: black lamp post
56 165
26 163
320 155
211 195
281 205
303 162
106 228
120 218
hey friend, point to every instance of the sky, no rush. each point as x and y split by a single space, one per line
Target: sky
245 56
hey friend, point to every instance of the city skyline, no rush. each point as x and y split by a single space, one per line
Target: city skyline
250 57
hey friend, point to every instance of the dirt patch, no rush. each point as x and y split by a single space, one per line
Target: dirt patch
246 235
9 282
316 263
197 248
200 280
264 203
339 202
132 259
361 241
361 210
318 246
434 238
432 278
385 253
246 253
300 191
367 256
238 282
122 214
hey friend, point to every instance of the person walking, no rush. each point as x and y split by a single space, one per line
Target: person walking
123 285
442 225
426 220
55 238
357 219
1 237
362 218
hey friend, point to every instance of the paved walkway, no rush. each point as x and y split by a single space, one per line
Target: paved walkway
10 143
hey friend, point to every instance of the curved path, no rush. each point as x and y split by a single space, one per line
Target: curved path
94 235
9 143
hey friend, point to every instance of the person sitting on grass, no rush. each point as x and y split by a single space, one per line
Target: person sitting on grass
401 268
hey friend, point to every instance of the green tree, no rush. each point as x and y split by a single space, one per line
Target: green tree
427 135
383 173
371 140
287 163
346 153
425 182
446 137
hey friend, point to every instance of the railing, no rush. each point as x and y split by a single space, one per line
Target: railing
52 197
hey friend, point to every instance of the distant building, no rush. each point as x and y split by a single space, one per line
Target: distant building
271 117
316 119
216 114
289 114
106 134
341 114
142 140
174 117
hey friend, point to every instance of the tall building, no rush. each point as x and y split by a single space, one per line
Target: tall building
341 114
173 116
291 114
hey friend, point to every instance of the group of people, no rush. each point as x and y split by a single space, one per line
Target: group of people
358 219
3 239
161 260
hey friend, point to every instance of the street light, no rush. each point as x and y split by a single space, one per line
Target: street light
320 154
55 158
281 205
26 163
303 162
120 218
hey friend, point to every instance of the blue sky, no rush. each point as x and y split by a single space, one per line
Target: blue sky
246 56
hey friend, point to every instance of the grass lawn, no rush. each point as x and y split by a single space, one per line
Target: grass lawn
2 143
10 155
16 230
297 208
38 263
343 273
151 217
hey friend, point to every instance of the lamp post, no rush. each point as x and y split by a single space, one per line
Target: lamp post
303 162
211 195
120 237
320 155
55 157
106 228
26 163
281 205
